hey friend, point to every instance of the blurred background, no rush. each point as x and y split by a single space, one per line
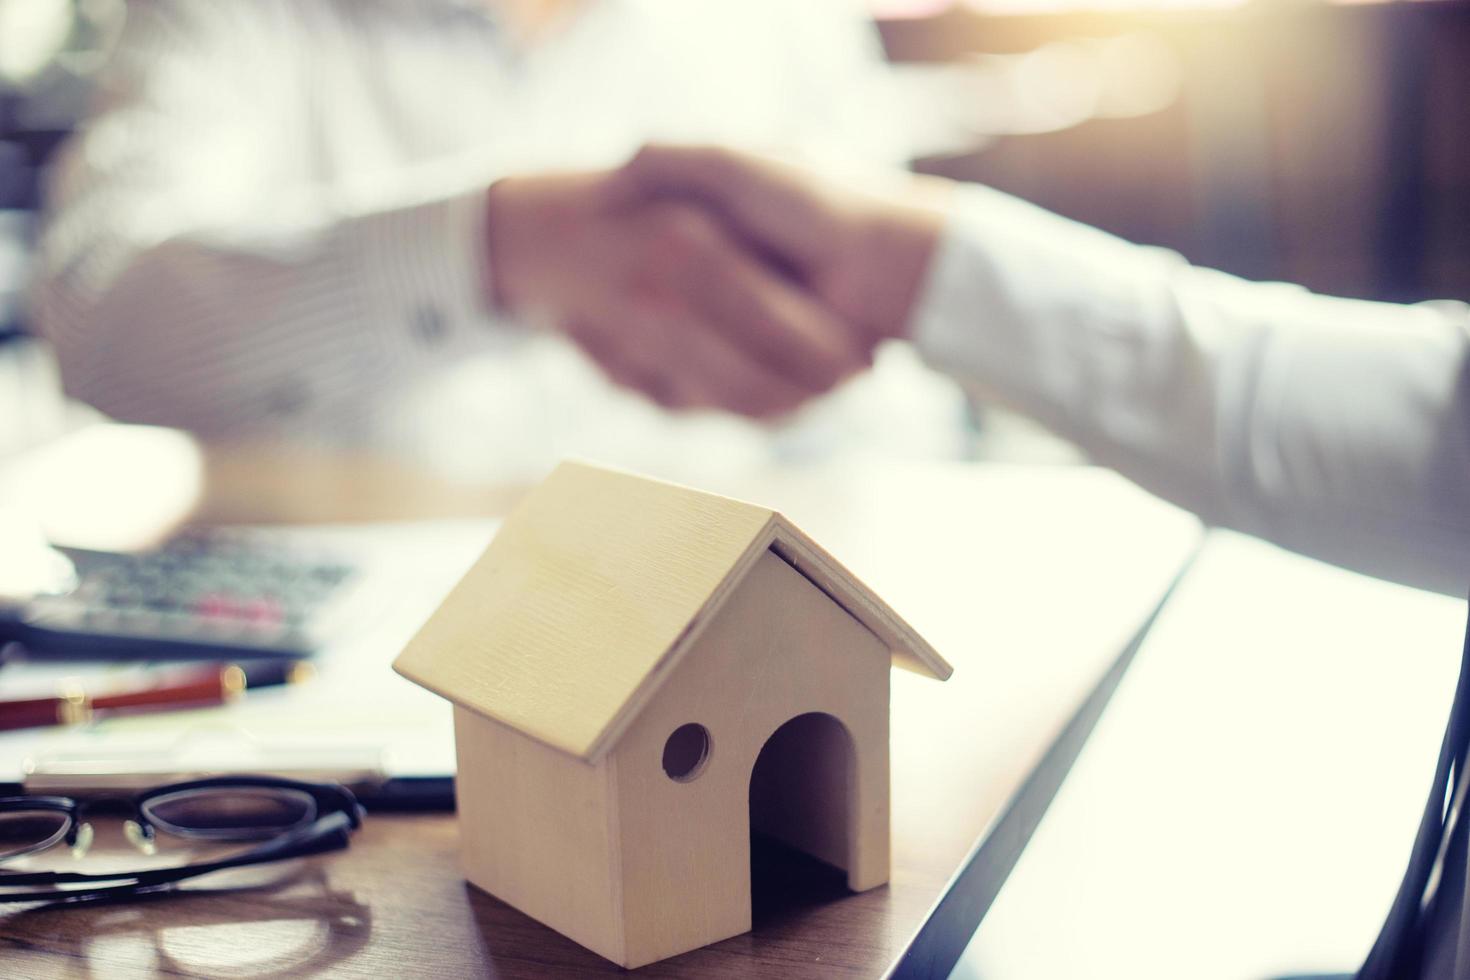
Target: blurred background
1321 143
1318 142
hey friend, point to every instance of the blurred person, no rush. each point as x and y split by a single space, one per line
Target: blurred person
1336 427
276 220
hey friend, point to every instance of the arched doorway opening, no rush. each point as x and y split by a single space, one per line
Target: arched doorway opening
802 813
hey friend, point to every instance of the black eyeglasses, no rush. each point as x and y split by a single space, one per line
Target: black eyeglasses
288 818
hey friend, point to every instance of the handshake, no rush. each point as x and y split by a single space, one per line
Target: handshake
708 279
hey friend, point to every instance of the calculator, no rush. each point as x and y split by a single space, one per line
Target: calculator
214 593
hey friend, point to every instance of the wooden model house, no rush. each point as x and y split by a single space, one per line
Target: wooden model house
619 658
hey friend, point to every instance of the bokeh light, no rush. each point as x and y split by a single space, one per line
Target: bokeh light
32 32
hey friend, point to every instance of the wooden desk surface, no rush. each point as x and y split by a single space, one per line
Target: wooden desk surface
1029 581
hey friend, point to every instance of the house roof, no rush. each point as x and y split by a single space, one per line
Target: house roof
595 587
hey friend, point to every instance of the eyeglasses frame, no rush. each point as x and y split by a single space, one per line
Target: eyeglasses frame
337 815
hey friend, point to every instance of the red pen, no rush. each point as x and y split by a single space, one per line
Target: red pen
216 684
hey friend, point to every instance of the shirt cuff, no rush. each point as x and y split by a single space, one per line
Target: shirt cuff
423 272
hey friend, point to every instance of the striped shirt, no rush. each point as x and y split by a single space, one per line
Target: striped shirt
272 221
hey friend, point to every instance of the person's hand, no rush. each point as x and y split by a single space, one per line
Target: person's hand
865 256
662 295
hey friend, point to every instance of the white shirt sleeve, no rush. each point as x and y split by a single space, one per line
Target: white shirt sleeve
191 272
1339 428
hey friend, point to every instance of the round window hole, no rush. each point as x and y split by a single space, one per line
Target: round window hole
686 752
